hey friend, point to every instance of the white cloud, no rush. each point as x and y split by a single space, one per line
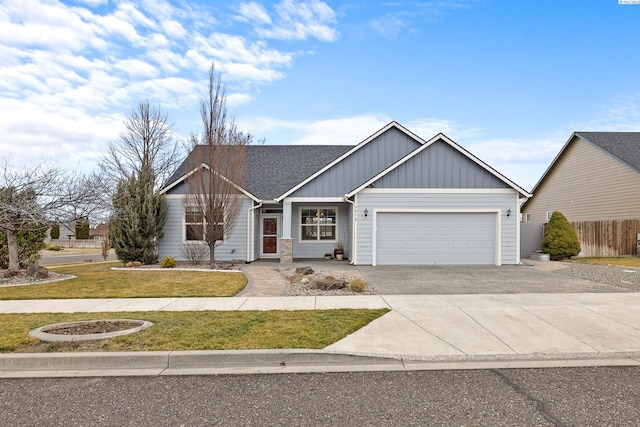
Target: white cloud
137 68
622 114
69 73
521 160
292 20
341 131
254 12
66 136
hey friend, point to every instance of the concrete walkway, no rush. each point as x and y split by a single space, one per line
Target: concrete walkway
454 331
420 332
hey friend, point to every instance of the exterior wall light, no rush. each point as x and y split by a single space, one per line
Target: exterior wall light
366 212
508 212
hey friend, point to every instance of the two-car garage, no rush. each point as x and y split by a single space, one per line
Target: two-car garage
435 238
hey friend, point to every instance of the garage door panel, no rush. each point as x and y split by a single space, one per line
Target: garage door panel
435 238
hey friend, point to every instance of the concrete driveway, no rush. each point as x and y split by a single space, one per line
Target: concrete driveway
452 280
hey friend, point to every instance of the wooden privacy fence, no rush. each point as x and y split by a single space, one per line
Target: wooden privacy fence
607 238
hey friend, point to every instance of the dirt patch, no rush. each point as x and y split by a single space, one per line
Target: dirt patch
99 327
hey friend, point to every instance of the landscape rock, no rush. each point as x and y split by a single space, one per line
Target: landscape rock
37 271
328 285
304 270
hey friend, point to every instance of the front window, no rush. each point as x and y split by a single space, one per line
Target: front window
194 223
318 224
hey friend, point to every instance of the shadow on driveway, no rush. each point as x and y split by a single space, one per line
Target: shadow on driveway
506 279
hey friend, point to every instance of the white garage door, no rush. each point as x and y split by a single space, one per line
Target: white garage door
435 238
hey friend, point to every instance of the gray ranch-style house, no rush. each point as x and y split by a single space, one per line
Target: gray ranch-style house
393 199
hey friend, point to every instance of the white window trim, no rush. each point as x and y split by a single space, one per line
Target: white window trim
184 228
299 225
549 214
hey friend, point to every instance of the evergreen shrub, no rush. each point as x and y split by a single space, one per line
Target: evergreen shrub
168 262
560 240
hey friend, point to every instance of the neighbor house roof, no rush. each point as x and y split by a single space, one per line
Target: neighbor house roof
624 146
293 163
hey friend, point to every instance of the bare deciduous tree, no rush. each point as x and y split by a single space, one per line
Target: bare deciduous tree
213 201
133 170
147 140
38 196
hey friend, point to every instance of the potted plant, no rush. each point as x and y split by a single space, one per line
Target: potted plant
338 252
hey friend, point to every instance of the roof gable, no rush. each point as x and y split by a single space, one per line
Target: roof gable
365 160
274 172
623 146
440 163
270 169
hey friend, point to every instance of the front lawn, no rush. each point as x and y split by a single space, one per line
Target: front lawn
99 281
196 330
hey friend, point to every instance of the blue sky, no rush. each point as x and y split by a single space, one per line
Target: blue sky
508 80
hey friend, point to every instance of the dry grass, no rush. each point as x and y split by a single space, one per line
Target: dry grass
99 281
197 330
632 262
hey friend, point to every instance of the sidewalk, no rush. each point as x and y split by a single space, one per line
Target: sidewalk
421 332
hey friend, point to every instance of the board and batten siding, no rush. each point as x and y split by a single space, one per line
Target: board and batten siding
586 184
234 247
363 164
439 201
439 166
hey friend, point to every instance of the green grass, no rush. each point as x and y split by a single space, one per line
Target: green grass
99 281
197 330
632 262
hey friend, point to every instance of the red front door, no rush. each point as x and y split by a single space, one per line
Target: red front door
270 235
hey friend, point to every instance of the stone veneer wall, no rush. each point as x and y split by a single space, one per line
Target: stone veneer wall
286 251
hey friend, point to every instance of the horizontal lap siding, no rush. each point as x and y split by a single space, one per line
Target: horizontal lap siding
171 243
437 201
317 249
587 184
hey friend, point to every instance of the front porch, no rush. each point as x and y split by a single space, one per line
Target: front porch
302 230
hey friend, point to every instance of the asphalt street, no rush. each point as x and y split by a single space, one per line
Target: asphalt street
527 397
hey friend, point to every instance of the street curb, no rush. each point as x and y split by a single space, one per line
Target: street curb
219 362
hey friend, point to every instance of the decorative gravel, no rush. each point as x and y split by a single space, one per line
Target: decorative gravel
298 287
25 280
623 277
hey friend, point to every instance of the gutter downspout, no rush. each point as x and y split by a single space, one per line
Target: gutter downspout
354 230
251 232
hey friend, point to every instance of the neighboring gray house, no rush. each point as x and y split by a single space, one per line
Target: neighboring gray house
595 177
392 199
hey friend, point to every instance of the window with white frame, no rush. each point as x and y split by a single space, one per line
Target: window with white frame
549 214
318 224
194 223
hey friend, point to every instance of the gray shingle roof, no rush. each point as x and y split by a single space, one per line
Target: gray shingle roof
271 170
623 145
